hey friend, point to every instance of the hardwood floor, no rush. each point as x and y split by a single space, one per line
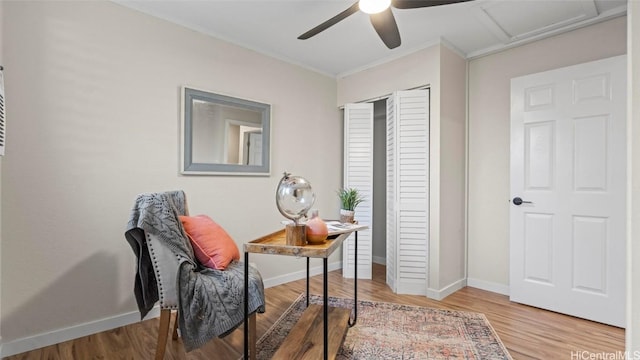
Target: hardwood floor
527 332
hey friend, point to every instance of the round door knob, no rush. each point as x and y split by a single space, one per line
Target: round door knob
518 201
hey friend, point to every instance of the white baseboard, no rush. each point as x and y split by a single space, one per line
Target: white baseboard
380 260
447 290
488 286
73 332
283 279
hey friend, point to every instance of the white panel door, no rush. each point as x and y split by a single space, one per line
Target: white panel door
407 191
255 148
358 173
568 166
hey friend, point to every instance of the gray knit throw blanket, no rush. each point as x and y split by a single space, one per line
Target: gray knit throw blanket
211 302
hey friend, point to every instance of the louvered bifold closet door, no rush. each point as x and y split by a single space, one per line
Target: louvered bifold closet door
391 239
358 173
408 195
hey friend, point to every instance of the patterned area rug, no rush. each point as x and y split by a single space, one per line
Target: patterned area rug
393 331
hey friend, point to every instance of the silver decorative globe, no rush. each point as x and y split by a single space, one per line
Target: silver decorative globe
294 197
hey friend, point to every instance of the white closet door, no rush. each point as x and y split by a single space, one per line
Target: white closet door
568 162
391 201
408 191
358 173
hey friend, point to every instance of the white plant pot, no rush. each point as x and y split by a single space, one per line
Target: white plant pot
346 216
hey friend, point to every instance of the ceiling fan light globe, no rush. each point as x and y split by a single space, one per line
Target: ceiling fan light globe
374 6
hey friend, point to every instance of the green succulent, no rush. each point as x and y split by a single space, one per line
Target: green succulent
350 198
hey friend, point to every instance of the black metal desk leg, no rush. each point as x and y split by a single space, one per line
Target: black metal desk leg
307 282
355 284
325 293
246 306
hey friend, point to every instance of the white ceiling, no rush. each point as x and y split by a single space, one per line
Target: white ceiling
472 28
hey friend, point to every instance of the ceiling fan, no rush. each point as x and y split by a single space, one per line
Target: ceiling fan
381 17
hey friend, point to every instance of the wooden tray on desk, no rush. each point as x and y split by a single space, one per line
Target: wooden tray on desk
275 243
307 339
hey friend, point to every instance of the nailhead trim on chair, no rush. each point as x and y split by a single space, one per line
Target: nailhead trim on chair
158 276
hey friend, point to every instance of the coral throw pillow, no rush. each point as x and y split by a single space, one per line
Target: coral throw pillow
213 247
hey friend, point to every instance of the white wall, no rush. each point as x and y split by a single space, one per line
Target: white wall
94 120
1 63
447 147
489 137
453 77
417 69
633 242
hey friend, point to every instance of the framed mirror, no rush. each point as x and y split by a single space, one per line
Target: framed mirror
224 135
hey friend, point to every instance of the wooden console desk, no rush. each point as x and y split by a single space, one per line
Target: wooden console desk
303 339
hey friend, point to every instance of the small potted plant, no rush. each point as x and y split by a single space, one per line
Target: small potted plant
349 199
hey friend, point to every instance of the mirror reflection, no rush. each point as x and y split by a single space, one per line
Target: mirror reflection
223 134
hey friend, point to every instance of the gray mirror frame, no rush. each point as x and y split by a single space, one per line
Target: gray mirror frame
188 167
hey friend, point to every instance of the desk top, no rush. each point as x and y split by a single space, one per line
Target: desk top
275 243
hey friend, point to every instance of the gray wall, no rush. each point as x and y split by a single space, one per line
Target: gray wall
380 181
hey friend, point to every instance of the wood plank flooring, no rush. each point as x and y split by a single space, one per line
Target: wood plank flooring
302 342
527 332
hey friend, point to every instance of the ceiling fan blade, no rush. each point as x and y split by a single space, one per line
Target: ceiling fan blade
413 4
327 24
386 27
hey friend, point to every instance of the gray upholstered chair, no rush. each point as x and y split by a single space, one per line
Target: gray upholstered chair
159 266
166 268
